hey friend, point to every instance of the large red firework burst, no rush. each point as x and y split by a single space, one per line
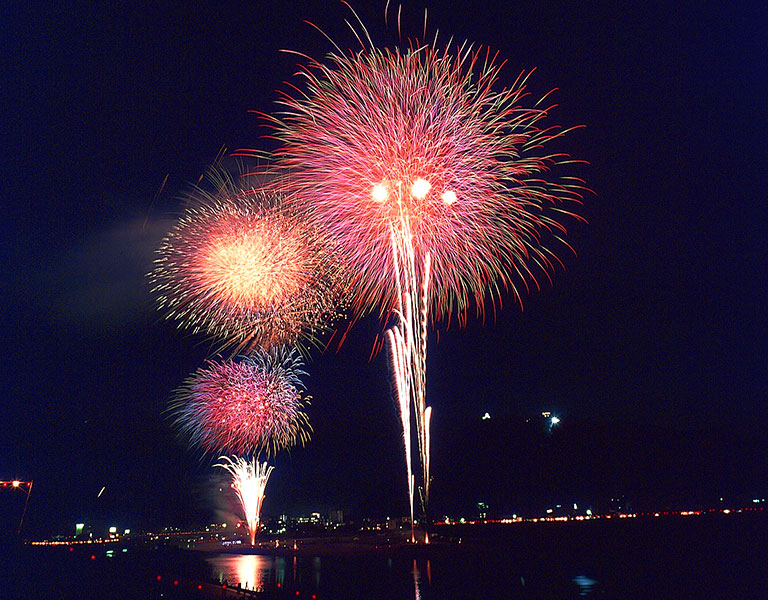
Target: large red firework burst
245 405
421 140
243 268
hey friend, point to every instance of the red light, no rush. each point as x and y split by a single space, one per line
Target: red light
159 577
71 549
224 587
297 592
314 596
93 557
199 587
175 582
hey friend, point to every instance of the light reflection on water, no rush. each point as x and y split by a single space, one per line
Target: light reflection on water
251 571
257 572
416 581
585 584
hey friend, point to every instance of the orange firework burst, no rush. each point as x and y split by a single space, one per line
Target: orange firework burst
243 268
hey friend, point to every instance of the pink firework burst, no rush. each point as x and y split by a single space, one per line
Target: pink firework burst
245 405
422 141
243 268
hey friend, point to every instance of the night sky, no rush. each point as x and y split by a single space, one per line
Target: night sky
650 344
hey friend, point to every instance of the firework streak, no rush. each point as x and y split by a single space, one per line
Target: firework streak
244 405
249 480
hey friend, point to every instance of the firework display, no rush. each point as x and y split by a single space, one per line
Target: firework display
420 140
434 184
244 405
406 182
244 269
249 480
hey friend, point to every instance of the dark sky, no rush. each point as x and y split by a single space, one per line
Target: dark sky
658 322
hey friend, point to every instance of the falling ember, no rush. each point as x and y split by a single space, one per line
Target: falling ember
249 480
243 268
244 405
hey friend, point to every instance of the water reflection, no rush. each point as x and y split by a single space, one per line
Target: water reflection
416 581
316 569
261 573
251 571
301 576
585 584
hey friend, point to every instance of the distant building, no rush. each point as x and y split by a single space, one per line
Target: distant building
336 516
83 531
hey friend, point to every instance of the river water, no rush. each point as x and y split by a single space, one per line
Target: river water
712 556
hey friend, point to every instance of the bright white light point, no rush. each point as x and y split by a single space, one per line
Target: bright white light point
449 197
16 483
379 192
420 189
555 421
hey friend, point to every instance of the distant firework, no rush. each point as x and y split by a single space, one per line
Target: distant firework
419 137
249 480
242 268
244 405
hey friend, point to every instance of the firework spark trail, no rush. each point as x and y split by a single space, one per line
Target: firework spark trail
240 406
436 186
249 480
245 269
398 337
408 343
